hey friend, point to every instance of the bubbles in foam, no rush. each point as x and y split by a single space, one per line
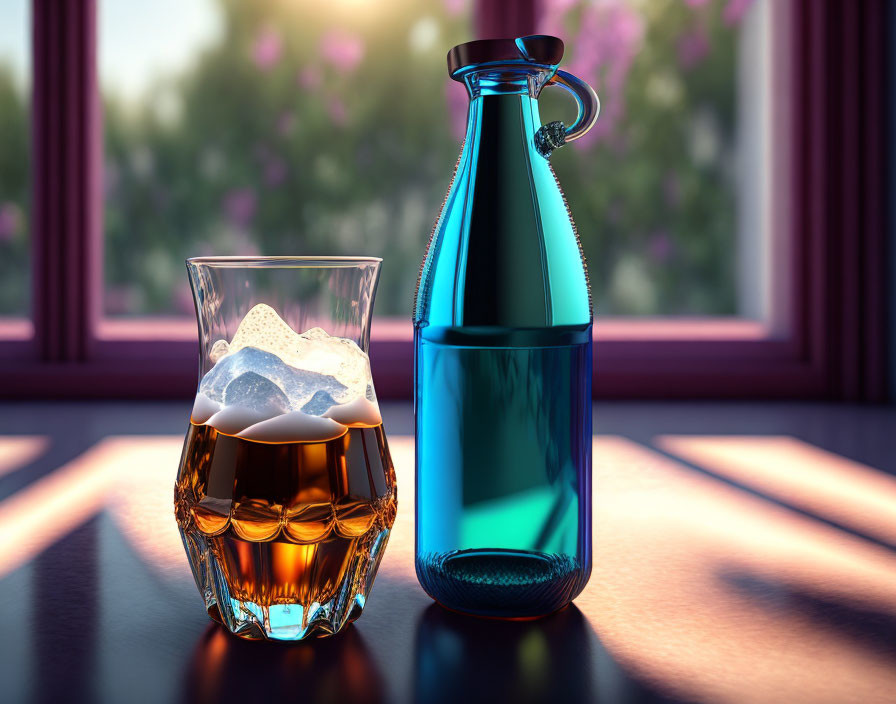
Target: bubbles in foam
273 384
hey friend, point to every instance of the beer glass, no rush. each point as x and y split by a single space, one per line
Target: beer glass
286 492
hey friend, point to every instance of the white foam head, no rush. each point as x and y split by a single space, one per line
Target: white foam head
272 384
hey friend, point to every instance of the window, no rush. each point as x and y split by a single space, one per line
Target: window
254 132
15 242
731 202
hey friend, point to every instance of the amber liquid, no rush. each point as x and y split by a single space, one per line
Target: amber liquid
286 523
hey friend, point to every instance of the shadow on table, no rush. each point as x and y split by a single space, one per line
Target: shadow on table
861 623
554 659
225 668
793 501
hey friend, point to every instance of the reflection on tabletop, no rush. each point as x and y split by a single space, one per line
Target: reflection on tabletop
726 568
225 668
459 658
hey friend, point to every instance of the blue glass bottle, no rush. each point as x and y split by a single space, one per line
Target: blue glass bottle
502 336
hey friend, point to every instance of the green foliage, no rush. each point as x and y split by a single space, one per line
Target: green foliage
369 184
655 208
14 200
265 145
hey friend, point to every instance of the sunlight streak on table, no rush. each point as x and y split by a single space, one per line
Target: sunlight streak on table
16 451
705 590
806 476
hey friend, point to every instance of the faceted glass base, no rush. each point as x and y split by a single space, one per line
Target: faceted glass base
335 581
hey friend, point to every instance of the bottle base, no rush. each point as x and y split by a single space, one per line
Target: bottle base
505 584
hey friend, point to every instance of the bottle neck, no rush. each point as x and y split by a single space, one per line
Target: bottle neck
507 80
500 278
503 113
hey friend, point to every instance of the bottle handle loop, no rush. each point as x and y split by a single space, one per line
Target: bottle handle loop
555 134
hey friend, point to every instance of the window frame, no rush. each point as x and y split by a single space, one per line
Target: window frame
835 225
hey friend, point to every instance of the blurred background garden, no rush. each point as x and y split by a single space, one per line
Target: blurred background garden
295 127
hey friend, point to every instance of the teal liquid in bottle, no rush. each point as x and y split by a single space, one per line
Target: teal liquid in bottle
502 341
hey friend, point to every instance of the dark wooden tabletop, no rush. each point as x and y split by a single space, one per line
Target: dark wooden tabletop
741 554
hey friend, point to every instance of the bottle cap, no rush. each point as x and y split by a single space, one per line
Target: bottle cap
536 49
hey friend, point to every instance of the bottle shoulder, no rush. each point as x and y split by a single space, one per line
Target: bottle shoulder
504 253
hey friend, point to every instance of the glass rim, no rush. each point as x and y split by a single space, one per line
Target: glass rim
283 261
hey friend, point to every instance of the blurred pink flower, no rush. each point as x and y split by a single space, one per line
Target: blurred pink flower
458 101
610 35
696 3
672 189
286 123
693 47
274 171
735 10
337 111
659 247
628 26
552 16
559 5
342 49
239 206
309 78
244 247
267 48
455 8
10 221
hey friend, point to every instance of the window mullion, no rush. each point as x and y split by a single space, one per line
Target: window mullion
65 178
497 18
